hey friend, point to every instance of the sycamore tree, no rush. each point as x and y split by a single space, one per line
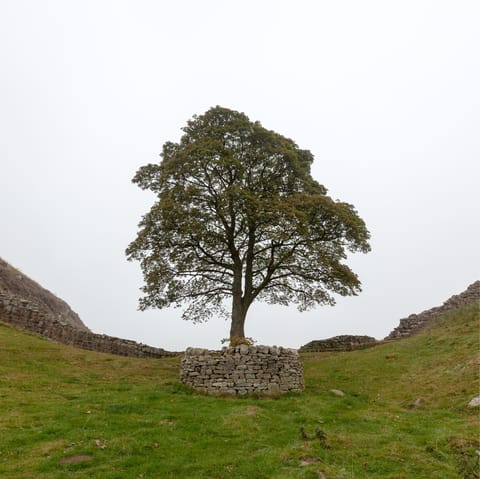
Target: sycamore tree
238 218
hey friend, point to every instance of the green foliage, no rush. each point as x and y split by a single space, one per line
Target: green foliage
135 420
238 215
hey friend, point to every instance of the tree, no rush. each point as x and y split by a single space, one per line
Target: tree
238 215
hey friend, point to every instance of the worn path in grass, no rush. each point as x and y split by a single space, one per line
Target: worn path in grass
403 415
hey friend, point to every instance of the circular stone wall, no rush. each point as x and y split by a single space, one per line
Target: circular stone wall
243 370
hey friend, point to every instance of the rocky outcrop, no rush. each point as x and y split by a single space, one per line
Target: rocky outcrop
416 322
14 282
339 343
243 370
29 316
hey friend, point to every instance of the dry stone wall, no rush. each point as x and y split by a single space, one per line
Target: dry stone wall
416 322
243 370
14 282
407 327
339 343
27 315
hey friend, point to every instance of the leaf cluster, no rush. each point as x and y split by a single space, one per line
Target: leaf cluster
238 212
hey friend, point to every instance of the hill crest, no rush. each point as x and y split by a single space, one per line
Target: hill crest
16 283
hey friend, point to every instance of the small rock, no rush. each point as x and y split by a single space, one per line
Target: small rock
273 388
99 443
306 461
243 349
337 392
475 402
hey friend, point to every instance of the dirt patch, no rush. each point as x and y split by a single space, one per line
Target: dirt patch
251 411
75 459
47 448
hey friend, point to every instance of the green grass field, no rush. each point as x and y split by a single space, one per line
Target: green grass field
403 416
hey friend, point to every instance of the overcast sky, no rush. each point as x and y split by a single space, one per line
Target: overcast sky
384 94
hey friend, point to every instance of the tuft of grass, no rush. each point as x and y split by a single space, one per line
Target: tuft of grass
74 413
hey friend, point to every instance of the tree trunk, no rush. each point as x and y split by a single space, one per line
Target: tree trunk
238 318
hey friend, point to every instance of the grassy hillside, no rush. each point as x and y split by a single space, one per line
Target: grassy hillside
403 415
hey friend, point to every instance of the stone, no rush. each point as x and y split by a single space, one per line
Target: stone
243 348
474 402
337 392
273 388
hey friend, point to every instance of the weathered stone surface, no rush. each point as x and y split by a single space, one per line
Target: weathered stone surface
474 402
243 370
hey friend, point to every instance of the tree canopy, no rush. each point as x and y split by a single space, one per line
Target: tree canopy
238 216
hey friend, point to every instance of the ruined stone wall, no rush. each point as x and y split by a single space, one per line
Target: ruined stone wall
27 315
339 343
416 322
243 370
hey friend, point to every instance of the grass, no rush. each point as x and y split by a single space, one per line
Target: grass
403 415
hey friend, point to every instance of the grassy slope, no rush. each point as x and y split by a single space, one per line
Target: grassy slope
136 421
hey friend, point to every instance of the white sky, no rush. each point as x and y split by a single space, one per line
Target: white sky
385 95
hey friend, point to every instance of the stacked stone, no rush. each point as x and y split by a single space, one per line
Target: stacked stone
409 326
16 283
339 343
243 370
416 322
26 315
